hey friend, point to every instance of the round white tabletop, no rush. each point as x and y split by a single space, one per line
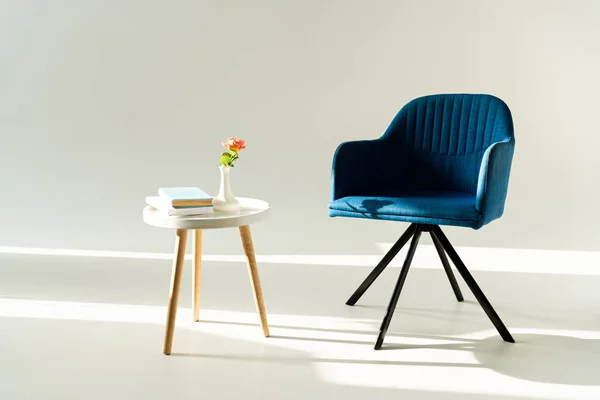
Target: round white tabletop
250 212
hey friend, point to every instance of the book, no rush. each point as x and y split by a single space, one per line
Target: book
164 206
185 196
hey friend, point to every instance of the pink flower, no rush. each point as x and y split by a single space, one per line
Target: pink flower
235 144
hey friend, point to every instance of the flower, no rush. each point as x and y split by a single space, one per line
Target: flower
235 144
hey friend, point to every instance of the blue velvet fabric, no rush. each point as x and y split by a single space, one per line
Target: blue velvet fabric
445 160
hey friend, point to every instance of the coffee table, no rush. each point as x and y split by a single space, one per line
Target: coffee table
250 212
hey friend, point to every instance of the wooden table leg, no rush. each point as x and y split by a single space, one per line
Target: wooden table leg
254 279
176 274
196 273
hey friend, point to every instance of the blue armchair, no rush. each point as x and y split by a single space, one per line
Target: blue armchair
444 160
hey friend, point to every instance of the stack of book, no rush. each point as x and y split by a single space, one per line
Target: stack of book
177 201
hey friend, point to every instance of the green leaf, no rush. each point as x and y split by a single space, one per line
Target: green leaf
225 159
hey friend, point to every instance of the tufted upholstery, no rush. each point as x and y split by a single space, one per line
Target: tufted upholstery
445 160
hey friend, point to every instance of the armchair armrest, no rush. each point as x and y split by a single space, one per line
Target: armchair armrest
492 184
357 166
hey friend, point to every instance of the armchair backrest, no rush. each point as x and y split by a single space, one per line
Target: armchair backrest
442 139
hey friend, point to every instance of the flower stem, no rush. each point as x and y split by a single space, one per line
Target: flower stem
234 157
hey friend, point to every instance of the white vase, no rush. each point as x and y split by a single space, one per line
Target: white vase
225 200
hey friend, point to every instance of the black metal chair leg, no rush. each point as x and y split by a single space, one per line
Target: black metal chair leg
468 278
382 264
447 267
396 294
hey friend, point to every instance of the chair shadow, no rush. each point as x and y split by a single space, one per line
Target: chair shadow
546 358
384 308
534 357
456 346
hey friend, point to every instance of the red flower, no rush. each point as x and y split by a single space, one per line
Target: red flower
235 144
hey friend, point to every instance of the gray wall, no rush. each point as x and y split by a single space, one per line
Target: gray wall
102 102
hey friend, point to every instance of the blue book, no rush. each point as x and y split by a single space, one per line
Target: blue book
185 196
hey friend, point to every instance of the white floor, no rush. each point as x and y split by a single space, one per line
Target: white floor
91 327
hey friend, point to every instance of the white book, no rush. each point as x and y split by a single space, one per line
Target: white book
164 205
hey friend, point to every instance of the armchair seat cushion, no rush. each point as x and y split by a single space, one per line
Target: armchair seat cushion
437 207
